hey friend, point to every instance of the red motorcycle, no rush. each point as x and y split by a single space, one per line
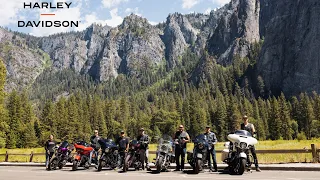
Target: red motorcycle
82 157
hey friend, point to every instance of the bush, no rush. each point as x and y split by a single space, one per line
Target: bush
301 136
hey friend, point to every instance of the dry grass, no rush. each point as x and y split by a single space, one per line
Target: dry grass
262 145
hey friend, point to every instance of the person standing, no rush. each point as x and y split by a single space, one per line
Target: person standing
144 138
181 138
123 143
250 128
49 147
95 145
212 140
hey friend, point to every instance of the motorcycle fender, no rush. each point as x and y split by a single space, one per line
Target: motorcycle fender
243 155
77 157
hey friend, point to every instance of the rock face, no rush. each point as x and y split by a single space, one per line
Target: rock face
237 28
289 60
290 57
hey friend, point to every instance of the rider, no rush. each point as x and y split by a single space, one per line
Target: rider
212 140
49 147
95 145
181 138
145 139
250 128
123 143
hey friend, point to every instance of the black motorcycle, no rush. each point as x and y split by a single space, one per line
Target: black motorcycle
61 157
135 156
198 158
109 154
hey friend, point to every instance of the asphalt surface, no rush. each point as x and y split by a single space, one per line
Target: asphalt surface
39 173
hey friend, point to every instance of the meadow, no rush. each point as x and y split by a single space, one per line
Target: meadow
262 145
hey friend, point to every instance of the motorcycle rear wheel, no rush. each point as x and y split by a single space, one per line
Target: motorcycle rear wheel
159 164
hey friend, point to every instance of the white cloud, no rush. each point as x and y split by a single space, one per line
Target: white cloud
92 18
220 2
187 4
112 3
208 11
9 11
134 11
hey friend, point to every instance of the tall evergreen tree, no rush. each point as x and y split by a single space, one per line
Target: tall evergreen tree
3 111
284 116
274 120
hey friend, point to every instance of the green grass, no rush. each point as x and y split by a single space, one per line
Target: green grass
262 145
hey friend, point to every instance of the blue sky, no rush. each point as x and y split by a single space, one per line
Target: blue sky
109 12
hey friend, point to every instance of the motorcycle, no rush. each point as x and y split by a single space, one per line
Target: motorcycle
135 156
236 152
198 158
61 156
164 154
110 155
82 157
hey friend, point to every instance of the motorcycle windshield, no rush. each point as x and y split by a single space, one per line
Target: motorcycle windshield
165 139
243 133
200 139
102 143
65 144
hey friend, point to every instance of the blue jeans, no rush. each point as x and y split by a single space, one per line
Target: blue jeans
212 152
48 157
96 155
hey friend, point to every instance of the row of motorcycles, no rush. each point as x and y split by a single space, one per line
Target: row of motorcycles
235 155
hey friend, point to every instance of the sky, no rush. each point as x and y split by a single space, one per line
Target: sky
110 12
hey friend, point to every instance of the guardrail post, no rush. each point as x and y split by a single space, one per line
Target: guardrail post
31 156
7 157
314 153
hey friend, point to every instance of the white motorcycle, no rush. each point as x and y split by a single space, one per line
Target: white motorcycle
236 152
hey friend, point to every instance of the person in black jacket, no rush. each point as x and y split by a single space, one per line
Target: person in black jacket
49 147
123 143
181 138
95 145
212 140
145 140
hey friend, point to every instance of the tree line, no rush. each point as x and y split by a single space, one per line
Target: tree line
196 93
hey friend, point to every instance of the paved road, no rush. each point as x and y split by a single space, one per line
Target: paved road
38 173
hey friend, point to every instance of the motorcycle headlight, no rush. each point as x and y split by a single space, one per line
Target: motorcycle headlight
243 145
200 146
106 150
164 148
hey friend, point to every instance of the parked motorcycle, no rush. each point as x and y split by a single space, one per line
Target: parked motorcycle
61 156
135 156
82 157
164 154
198 158
110 155
236 152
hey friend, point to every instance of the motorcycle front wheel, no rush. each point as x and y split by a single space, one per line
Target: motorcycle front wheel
159 164
100 165
75 165
53 164
197 166
242 166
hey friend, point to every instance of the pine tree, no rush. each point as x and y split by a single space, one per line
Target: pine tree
259 125
274 120
3 111
234 115
306 116
284 116
30 136
47 122
221 116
